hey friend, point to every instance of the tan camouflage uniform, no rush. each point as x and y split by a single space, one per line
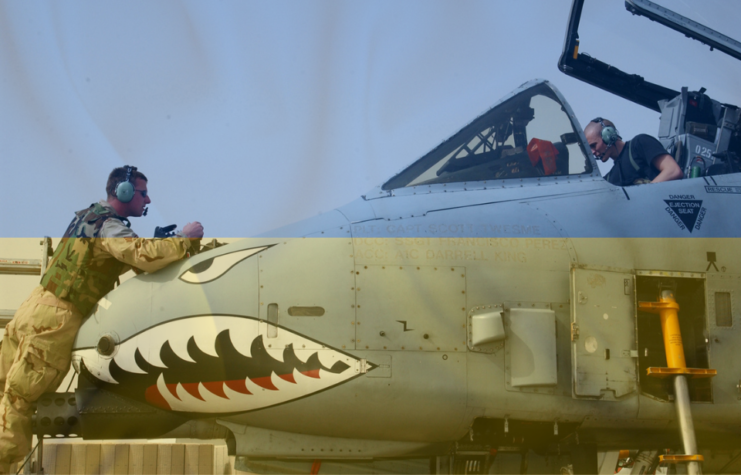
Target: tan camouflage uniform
36 347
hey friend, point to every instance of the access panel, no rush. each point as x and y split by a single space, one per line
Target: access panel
603 333
411 308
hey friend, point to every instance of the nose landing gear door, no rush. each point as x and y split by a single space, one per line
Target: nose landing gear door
602 333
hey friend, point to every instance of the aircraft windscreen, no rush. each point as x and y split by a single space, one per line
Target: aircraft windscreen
527 136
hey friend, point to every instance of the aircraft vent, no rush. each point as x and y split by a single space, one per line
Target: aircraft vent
273 320
305 311
723 309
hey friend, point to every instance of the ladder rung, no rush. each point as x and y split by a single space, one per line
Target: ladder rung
20 266
693 372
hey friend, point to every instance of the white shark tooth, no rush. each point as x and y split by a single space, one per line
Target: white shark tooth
165 392
254 388
149 346
235 395
284 384
188 400
242 345
125 358
303 355
209 395
179 345
275 353
329 357
205 339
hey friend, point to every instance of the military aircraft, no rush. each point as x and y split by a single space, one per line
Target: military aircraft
495 297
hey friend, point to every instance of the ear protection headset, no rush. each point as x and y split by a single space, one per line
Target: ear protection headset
125 189
609 134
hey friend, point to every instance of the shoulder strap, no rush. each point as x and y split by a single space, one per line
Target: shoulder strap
630 156
101 210
648 171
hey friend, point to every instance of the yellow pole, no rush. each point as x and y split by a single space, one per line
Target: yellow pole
670 328
667 309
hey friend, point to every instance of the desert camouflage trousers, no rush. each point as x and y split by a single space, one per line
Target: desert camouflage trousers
34 359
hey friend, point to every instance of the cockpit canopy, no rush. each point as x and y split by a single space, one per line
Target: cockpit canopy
528 135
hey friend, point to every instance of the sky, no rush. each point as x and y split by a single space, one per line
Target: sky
250 115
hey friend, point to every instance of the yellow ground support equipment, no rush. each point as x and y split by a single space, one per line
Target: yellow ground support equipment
667 308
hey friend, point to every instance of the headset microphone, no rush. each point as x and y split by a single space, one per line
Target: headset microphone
146 208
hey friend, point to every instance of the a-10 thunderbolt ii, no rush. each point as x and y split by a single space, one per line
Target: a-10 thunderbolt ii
497 296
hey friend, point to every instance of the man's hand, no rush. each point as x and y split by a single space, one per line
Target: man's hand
165 232
193 230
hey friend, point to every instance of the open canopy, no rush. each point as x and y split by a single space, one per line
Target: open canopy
527 135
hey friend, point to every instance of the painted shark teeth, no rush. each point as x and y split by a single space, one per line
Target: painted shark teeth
218 364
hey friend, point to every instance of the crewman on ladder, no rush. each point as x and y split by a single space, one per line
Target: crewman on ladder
96 249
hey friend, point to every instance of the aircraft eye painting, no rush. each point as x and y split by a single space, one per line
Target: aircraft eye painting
212 269
217 364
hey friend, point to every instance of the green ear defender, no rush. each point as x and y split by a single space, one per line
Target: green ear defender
125 189
609 133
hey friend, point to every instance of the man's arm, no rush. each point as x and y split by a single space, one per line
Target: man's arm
667 167
148 255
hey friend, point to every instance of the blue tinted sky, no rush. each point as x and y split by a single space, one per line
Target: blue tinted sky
251 115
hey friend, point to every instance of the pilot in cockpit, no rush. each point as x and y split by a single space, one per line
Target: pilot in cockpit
637 161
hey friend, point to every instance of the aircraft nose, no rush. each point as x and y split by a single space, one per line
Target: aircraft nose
220 333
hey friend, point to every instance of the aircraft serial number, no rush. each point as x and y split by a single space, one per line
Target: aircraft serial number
704 151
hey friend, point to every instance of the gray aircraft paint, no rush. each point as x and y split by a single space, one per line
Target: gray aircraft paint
399 276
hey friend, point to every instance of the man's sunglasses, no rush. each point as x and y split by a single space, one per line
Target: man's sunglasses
143 193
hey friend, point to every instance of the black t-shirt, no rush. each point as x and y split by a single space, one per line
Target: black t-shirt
643 149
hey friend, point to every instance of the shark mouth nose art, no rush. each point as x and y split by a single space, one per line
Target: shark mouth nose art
218 364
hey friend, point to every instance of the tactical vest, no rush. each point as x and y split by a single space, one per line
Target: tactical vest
72 274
